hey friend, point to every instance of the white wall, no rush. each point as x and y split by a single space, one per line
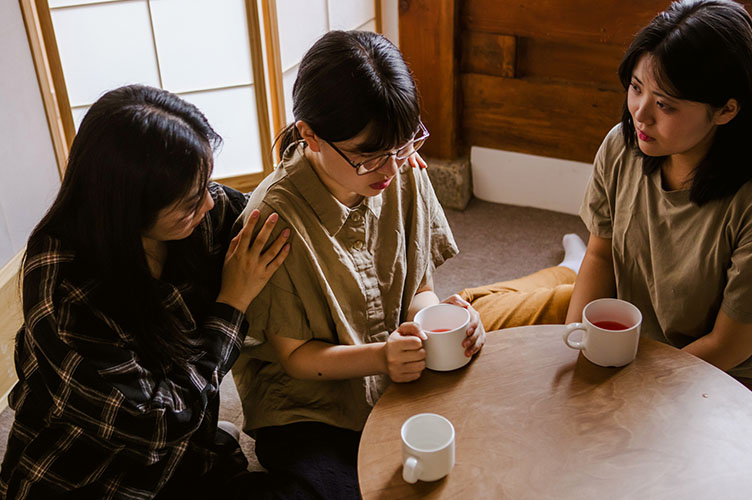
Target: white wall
529 180
28 171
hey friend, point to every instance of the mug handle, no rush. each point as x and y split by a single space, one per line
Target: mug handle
411 470
571 328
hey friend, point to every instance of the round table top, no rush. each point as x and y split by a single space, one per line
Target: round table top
535 419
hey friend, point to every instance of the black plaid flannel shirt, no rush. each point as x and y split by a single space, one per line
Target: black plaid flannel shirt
90 419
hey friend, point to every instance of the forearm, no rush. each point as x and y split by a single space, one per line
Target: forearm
316 360
727 345
709 349
595 280
421 300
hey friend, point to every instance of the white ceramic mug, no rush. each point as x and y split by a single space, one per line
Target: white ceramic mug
611 332
446 328
427 447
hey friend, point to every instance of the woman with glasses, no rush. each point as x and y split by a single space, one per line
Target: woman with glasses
333 326
133 299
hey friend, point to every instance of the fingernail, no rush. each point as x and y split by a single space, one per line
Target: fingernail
286 233
273 217
254 214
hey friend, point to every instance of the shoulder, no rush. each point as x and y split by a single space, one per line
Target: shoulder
416 189
613 145
413 179
279 193
49 270
226 199
615 159
741 203
45 251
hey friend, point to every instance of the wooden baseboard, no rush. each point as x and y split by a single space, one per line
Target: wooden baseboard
11 318
4 400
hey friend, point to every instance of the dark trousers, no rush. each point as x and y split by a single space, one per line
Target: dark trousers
311 459
228 479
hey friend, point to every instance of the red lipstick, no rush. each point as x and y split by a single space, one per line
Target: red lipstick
644 137
378 186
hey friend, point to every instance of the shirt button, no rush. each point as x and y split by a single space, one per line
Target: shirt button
357 217
358 245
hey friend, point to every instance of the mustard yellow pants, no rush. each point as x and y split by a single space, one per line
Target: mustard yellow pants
538 299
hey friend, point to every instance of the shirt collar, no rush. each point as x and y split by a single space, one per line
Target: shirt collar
331 213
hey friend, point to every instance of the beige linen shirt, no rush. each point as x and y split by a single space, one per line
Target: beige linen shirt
677 262
349 278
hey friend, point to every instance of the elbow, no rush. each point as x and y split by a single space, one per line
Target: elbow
293 367
292 371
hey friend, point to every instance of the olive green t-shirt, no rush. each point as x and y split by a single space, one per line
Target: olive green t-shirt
349 278
677 262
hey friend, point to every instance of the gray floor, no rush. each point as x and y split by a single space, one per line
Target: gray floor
497 242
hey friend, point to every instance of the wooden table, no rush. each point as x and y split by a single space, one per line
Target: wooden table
534 419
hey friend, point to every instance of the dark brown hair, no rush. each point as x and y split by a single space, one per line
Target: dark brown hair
702 50
138 150
348 80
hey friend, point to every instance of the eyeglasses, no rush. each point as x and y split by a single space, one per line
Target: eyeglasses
377 162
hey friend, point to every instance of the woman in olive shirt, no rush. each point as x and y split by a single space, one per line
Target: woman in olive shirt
333 326
669 205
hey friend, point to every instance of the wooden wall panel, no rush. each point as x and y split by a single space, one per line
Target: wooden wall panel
546 119
534 76
428 42
564 93
585 21
581 64
489 54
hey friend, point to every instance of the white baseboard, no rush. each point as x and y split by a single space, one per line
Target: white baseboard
528 180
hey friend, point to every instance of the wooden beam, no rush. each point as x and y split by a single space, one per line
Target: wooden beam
44 52
427 41
274 69
259 85
377 16
244 183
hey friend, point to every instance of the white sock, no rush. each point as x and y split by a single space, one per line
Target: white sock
574 251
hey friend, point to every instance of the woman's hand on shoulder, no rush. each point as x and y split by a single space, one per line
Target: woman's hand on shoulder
404 355
417 161
476 334
247 267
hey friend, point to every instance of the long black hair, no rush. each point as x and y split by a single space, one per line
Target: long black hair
702 51
138 150
351 79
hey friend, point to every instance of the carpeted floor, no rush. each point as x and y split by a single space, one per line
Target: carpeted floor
497 242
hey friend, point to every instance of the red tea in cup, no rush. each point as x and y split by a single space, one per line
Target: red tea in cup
610 325
439 330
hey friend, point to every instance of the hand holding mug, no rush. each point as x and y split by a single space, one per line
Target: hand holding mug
404 354
475 332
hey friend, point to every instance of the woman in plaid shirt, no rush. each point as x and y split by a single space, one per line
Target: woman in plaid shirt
133 307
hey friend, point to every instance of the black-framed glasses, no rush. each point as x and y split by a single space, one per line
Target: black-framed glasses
377 162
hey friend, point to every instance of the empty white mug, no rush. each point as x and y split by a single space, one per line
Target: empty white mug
445 325
611 332
427 447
